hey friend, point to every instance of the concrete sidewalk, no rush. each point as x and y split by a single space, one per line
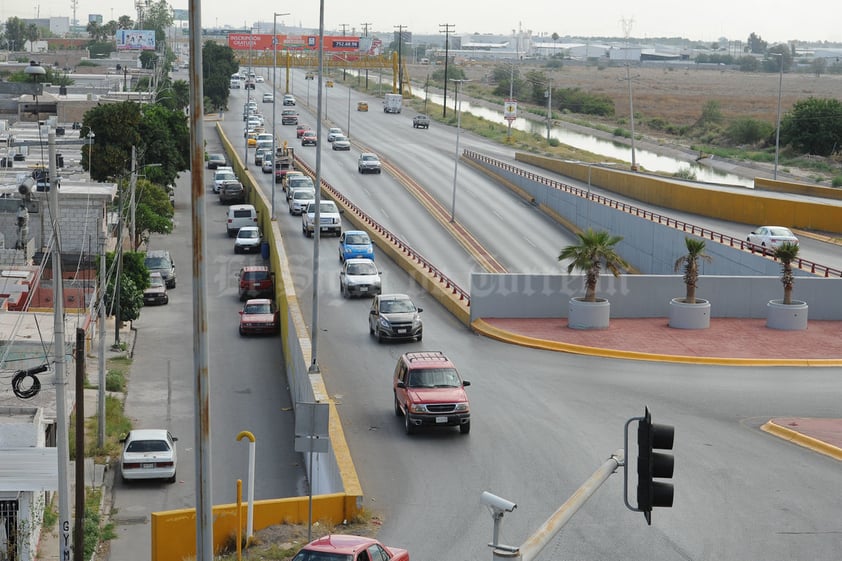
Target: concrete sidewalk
96 475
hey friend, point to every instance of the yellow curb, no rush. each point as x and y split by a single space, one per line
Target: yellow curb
803 440
484 328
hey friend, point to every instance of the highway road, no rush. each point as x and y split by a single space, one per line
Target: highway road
542 421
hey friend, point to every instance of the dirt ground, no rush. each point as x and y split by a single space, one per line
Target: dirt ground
678 93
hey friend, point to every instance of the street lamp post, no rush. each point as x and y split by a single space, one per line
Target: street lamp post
274 92
456 159
631 115
348 132
91 137
778 126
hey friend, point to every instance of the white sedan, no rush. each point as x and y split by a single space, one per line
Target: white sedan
149 454
332 133
772 236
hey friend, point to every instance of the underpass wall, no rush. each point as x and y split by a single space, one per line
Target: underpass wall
746 208
650 247
640 296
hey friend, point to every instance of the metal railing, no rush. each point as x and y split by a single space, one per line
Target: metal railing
405 248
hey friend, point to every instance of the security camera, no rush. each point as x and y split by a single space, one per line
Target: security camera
499 504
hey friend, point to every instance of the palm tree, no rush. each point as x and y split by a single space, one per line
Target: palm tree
690 262
595 250
786 254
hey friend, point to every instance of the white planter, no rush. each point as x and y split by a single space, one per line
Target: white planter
790 317
588 315
684 315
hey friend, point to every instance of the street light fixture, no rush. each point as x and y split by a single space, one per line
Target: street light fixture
778 126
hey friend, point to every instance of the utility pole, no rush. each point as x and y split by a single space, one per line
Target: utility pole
400 29
62 419
100 439
132 188
549 107
79 526
365 27
448 29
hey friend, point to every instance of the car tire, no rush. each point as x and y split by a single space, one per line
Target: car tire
172 285
398 410
465 428
408 427
370 329
345 292
242 333
379 336
172 479
236 250
420 336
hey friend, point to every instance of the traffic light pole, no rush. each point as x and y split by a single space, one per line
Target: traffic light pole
534 544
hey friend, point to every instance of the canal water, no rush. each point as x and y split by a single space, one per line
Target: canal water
647 160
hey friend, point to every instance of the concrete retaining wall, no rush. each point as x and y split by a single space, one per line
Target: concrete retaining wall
636 296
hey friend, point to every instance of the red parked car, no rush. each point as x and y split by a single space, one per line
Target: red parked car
345 547
259 316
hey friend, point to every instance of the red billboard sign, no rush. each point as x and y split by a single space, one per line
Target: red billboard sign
263 42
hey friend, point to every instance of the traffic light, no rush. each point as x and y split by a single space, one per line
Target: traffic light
651 465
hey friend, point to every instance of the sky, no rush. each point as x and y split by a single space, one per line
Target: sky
773 20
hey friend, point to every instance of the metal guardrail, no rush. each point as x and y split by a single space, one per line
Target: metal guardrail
404 247
802 264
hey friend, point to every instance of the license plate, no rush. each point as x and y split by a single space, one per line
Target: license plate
441 420
363 289
147 466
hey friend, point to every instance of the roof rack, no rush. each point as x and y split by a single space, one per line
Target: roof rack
426 355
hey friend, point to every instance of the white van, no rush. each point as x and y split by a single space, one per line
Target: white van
240 216
234 85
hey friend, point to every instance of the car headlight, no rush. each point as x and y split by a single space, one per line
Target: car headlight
384 323
416 321
461 407
418 408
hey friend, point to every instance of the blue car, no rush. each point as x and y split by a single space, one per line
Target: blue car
355 244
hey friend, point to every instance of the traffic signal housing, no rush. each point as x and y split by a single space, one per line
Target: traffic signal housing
653 465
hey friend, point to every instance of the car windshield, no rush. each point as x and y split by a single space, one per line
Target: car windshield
433 378
148 446
357 239
396 306
339 138
157 263
255 275
304 194
155 281
362 269
327 207
258 309
244 233
224 176
369 158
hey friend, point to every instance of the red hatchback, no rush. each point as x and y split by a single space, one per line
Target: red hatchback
256 281
345 547
300 130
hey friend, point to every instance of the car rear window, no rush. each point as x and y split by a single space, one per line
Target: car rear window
255 275
148 446
242 214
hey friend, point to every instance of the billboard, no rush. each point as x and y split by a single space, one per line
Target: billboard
135 40
263 42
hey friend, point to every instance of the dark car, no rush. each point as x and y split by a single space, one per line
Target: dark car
216 161
160 261
232 192
421 122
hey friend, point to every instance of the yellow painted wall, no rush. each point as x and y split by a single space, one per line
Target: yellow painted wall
762 184
745 208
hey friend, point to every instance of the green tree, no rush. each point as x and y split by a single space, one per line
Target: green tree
786 253
773 62
818 66
158 17
174 95
748 64
218 63
690 263
453 73
134 279
148 59
813 126
506 75
594 251
125 22
153 211
711 113
756 44
15 33
160 135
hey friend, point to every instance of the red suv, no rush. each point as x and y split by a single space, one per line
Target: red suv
256 281
429 392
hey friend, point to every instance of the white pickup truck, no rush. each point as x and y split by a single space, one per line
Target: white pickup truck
329 219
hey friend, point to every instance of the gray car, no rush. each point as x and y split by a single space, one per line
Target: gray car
394 317
368 163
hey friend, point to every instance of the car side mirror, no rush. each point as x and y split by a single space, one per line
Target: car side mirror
240 312
341 210
175 439
466 383
401 385
419 310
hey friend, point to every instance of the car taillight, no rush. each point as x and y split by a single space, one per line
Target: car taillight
164 464
132 465
230 221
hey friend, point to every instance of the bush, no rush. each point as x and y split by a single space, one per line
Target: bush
685 173
578 101
748 131
837 181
